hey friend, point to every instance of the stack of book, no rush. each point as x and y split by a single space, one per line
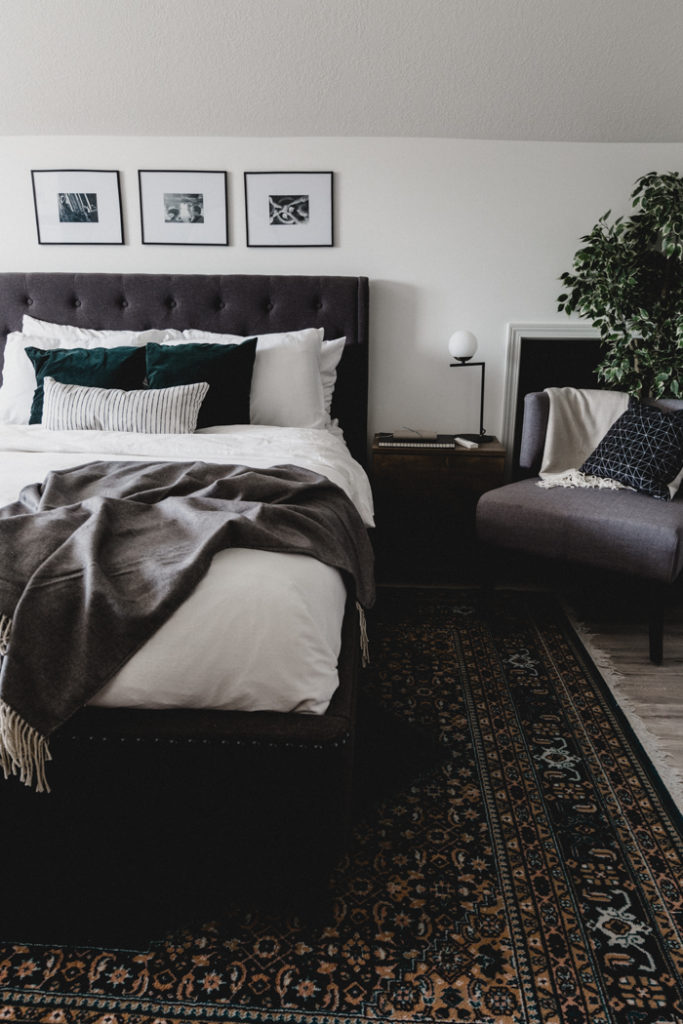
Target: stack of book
422 439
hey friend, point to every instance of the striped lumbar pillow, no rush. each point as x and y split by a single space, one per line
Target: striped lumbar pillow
151 411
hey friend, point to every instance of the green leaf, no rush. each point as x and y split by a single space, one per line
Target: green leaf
627 280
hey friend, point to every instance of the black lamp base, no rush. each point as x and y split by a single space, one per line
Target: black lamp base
482 437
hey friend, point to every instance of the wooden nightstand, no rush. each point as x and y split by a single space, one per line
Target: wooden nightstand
424 508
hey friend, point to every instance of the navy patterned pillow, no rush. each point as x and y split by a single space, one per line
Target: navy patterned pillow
643 449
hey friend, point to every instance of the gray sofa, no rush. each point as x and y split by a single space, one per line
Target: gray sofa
617 531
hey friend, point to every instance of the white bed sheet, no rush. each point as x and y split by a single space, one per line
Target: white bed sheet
262 630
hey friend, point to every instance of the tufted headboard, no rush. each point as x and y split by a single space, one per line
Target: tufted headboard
230 303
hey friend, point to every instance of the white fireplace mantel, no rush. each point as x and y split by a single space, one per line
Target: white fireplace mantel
570 329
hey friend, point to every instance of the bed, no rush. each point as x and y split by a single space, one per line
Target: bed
158 794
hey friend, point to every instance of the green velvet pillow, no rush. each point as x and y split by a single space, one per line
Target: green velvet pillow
226 368
122 367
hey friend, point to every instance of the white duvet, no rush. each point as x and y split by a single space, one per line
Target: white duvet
262 631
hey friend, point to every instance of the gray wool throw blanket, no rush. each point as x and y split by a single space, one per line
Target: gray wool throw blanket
96 558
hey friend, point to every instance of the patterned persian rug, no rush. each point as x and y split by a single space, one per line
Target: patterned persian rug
514 860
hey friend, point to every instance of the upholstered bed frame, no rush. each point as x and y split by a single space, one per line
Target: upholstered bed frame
155 812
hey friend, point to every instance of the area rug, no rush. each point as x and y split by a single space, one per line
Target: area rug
515 859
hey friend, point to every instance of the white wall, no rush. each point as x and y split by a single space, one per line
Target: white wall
452 234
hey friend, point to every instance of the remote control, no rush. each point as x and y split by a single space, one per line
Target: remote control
465 443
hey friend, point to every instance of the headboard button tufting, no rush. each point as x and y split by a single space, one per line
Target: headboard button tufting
77 303
172 304
29 302
269 307
124 304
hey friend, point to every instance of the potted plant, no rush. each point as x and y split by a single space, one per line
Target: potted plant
627 279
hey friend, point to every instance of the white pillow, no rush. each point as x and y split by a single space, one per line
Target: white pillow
86 337
286 388
195 334
18 375
171 410
330 356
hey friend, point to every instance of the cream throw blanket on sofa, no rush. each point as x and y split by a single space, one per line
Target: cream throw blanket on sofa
578 420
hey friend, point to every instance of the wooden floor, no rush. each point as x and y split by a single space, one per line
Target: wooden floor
654 693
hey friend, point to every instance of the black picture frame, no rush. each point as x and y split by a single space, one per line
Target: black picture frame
77 207
183 207
289 209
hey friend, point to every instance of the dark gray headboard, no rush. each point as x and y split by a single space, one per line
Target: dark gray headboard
230 303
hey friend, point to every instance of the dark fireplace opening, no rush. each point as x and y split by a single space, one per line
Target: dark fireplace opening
552 363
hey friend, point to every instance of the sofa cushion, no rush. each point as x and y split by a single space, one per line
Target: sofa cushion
620 531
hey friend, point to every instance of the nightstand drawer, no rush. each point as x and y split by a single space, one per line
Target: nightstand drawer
433 473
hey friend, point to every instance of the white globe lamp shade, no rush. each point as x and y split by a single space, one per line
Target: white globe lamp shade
462 345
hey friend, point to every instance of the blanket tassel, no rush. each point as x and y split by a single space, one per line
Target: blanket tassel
364 642
575 478
22 749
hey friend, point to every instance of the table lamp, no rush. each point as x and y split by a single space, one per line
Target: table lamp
462 345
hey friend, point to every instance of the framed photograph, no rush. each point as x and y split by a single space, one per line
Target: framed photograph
184 207
78 207
288 208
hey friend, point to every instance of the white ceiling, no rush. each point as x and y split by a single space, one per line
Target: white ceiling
574 70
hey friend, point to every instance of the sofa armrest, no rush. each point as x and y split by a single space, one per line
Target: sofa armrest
534 426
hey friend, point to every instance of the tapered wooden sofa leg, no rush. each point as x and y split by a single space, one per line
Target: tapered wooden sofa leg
656 624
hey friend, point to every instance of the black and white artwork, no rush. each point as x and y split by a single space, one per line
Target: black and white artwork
78 207
183 207
289 208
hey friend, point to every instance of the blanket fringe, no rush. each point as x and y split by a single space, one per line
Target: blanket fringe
22 749
364 642
575 478
5 630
